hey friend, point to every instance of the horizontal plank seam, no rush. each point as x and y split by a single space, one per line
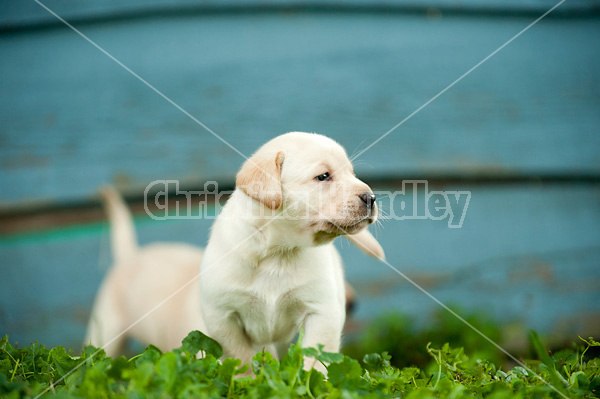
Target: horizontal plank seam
41 23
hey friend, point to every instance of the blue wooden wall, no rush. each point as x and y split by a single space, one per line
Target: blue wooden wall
522 133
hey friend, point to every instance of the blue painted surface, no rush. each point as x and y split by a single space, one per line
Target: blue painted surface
71 119
529 253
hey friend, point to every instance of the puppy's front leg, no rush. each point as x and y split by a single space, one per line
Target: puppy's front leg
227 330
325 329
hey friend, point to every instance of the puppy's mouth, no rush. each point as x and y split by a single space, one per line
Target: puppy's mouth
340 228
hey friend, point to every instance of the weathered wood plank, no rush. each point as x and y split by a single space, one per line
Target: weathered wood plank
71 119
528 252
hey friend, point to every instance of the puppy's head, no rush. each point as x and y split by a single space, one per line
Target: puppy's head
308 180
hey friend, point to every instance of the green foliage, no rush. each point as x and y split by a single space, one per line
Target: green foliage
27 372
399 335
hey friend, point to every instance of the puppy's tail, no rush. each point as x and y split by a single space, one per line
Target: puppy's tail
122 232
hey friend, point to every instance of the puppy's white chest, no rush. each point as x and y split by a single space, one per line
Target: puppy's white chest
267 320
271 310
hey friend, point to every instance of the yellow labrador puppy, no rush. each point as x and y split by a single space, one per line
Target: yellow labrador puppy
270 267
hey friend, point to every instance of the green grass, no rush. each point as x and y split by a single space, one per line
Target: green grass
29 371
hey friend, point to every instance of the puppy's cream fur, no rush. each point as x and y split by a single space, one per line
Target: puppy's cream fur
269 269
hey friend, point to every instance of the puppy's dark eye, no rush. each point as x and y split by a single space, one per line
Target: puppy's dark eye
323 177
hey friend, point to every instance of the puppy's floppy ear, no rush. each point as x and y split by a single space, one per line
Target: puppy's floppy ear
367 243
260 178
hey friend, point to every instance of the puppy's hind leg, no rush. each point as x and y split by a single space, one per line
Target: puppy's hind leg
106 328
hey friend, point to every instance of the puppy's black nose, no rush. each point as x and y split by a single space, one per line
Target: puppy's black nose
368 199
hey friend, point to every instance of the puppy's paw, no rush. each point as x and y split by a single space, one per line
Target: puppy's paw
312 363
